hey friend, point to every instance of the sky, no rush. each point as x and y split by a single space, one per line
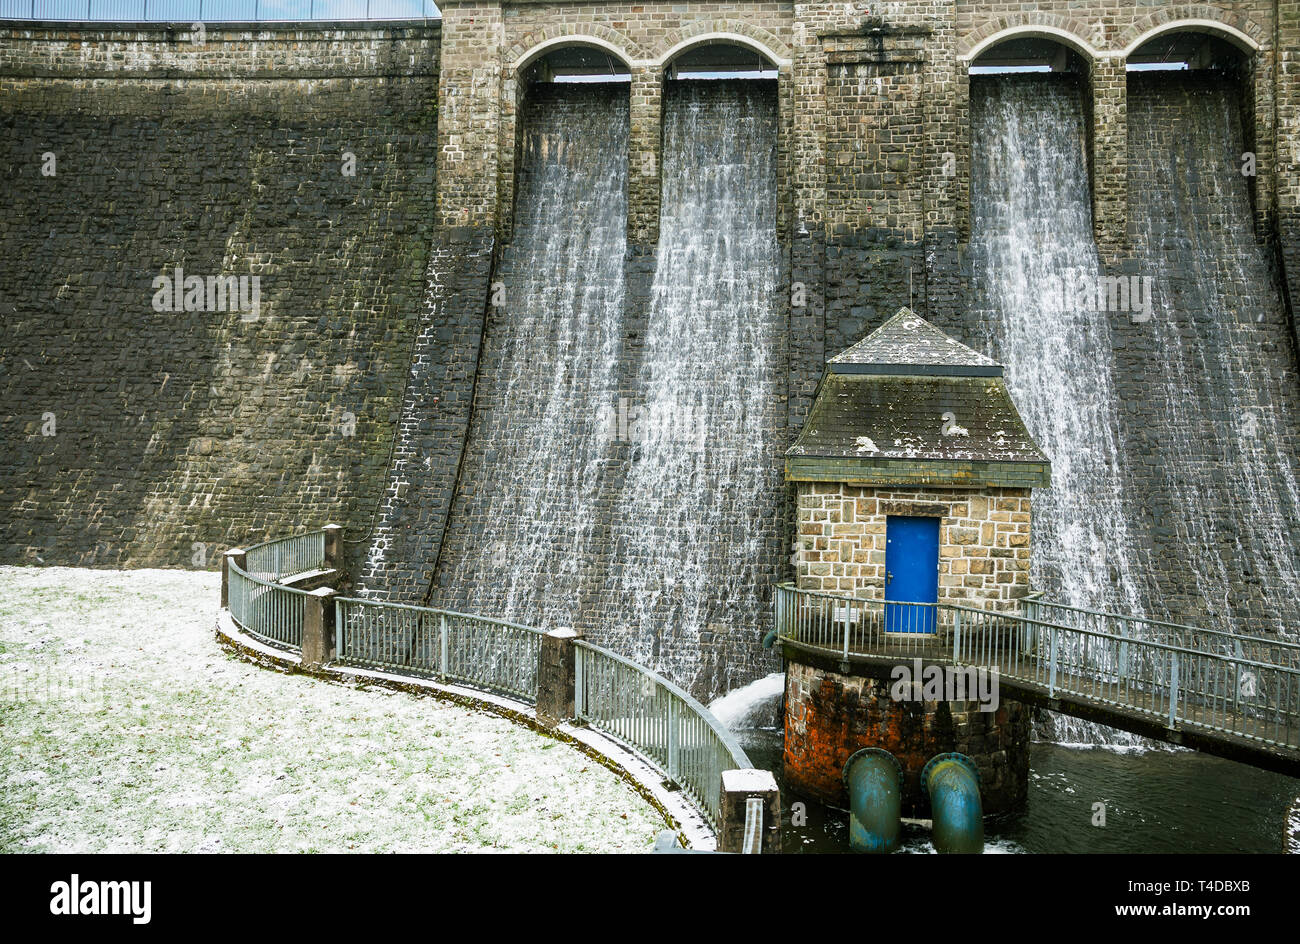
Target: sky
213 11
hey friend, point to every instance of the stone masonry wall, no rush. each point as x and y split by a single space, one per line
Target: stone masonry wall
830 715
176 434
984 540
223 157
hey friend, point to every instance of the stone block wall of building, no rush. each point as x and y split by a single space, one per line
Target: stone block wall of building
984 540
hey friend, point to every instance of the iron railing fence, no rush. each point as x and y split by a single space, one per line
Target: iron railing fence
286 557
491 654
1101 661
668 727
660 721
1268 649
1177 685
268 610
216 11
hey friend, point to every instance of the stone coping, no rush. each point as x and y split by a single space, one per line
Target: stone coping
693 830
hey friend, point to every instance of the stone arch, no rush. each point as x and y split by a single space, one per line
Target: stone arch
1069 31
539 42
1236 28
703 32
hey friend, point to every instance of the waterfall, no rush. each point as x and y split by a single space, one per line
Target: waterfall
526 533
1171 428
1032 249
757 704
700 511
1225 376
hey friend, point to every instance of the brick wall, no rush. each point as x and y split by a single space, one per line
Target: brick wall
984 540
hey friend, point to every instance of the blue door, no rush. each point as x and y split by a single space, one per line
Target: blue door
911 573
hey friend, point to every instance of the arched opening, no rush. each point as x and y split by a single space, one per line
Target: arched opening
556 83
1029 53
574 63
1205 74
1188 49
720 59
1035 72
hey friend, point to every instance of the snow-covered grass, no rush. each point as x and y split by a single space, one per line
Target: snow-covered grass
125 728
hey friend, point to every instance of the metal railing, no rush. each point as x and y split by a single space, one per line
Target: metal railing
668 727
485 653
658 719
1088 656
286 557
216 11
266 609
1258 648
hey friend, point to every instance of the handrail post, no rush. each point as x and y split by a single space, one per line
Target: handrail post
847 626
1123 648
738 787
579 683
674 747
333 547
340 630
956 636
236 556
1051 671
1173 687
318 628
442 647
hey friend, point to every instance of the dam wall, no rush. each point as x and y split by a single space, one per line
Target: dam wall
134 436
393 378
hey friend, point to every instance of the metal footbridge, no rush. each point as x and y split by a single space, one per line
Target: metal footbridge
1230 695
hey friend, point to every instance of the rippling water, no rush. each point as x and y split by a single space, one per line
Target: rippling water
1170 801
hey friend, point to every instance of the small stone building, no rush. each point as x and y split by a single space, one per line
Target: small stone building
913 474
910 424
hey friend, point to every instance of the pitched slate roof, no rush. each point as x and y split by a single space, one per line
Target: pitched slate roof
909 410
908 344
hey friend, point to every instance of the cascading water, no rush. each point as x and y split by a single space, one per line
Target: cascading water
1032 248
700 509
528 533
1209 480
1228 431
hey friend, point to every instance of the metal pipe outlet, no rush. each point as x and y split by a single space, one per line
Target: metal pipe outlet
953 782
874 779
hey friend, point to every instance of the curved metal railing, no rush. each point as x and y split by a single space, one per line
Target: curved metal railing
649 713
628 702
495 655
284 558
270 611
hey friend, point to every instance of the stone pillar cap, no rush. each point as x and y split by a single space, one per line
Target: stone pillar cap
565 633
748 780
